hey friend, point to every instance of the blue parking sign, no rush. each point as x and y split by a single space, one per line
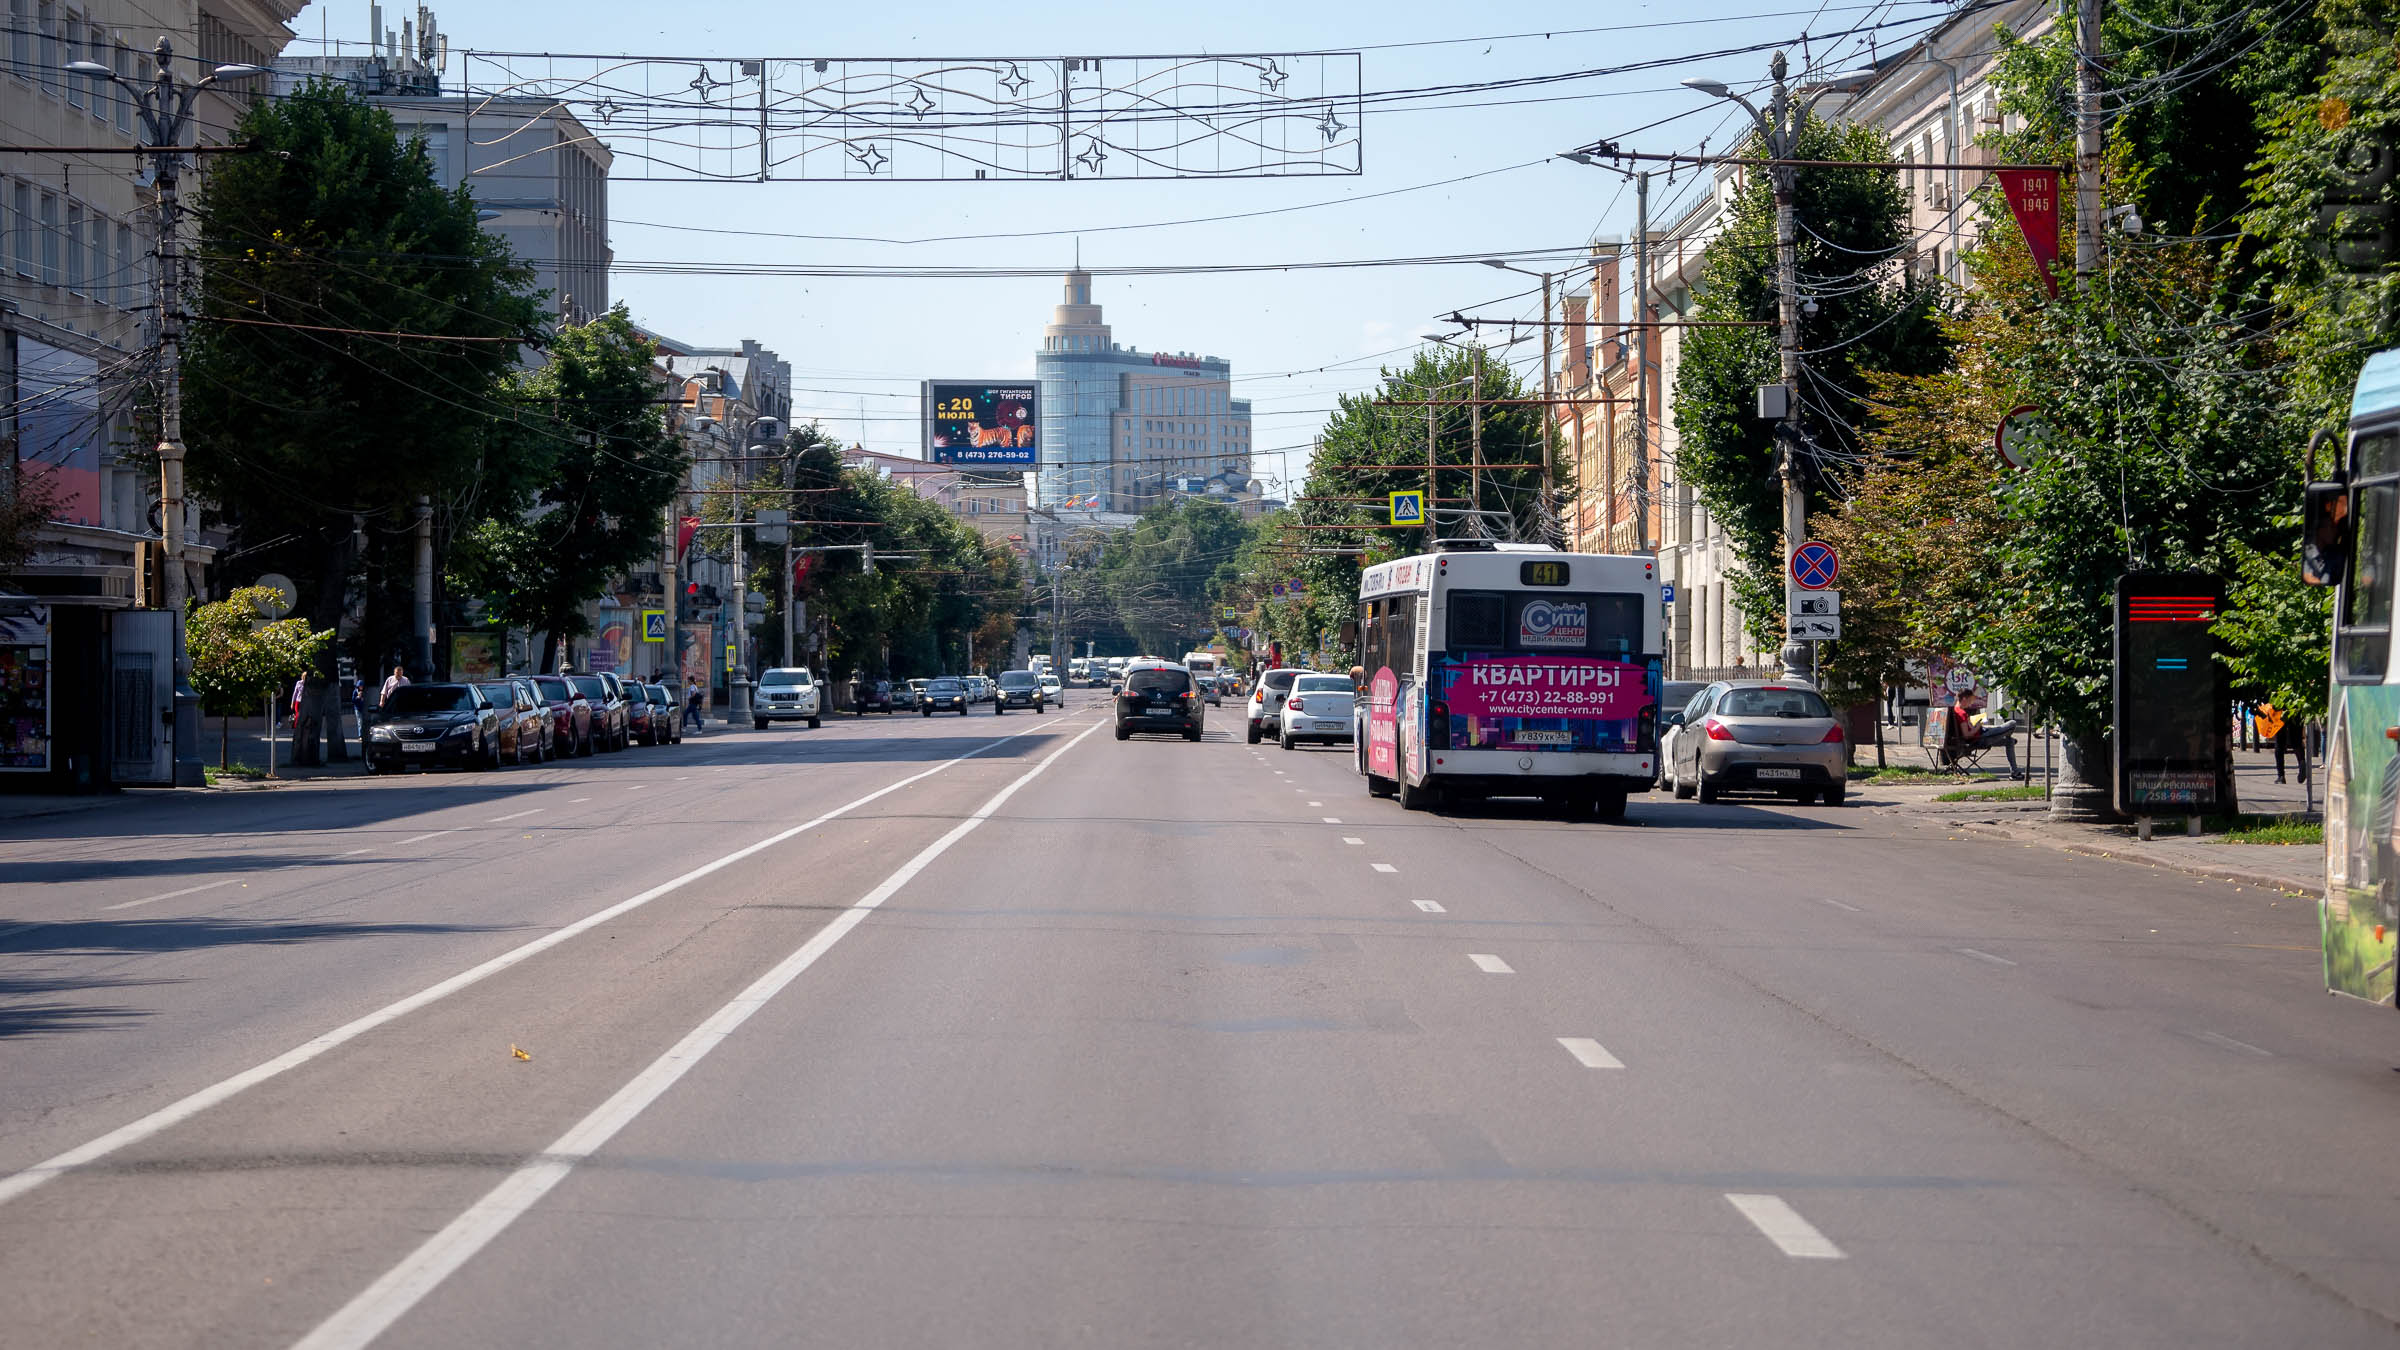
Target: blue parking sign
1666 592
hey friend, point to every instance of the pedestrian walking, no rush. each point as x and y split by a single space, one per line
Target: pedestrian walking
299 692
397 678
691 706
2288 737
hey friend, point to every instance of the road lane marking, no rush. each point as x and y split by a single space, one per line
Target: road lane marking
2229 1043
419 839
1983 956
635 787
192 1104
1330 820
356 851
1432 906
1384 867
1589 1053
1784 1227
577 801
1354 843
188 890
1838 904
1491 965
1316 803
520 815
384 1302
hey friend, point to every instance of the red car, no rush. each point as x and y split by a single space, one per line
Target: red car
573 733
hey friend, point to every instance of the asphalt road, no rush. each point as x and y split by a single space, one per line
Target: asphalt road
997 1032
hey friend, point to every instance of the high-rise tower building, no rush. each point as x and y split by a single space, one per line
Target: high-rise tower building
1124 428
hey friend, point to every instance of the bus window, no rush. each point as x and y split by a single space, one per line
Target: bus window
2362 647
1478 621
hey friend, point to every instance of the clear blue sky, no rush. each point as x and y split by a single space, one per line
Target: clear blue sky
860 341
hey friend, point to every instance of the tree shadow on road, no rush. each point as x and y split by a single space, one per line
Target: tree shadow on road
32 1005
131 937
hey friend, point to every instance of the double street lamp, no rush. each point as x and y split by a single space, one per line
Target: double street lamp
1779 126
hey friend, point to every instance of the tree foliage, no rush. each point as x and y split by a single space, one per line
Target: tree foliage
596 469
1871 316
239 660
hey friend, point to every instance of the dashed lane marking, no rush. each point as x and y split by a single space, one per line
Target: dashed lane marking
1983 956
2229 1043
1590 1053
1432 906
1354 843
518 815
188 890
419 839
1784 1227
1491 965
1385 867
1838 904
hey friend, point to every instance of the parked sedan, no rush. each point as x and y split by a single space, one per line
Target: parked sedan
947 694
637 715
666 716
1319 709
1760 735
871 696
608 710
424 725
1018 689
571 729
523 723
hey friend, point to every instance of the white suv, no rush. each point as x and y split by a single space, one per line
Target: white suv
1265 713
786 694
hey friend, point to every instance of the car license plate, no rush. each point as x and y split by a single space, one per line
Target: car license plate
1545 738
417 747
1779 773
1162 712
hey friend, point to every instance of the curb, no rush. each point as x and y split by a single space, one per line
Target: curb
2240 876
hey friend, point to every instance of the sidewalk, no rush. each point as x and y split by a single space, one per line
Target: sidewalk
2296 868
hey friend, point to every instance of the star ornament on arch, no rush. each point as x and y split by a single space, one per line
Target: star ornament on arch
1092 155
606 110
1332 126
704 84
1015 81
871 157
1272 77
917 102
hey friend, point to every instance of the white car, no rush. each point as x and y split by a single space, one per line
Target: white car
1319 708
787 694
1052 690
1265 712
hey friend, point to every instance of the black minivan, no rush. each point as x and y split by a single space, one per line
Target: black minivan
1158 696
1018 689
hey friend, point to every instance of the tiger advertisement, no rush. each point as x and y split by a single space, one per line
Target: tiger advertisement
982 424
2362 848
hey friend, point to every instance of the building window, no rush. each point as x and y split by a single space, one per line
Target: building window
127 296
74 247
49 240
102 280
46 28
21 218
20 38
122 62
71 49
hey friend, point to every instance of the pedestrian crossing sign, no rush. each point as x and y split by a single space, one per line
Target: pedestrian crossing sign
654 625
1408 508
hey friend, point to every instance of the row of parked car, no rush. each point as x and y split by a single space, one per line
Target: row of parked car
956 693
519 719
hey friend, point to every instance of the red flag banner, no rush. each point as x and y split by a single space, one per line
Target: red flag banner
2033 200
684 530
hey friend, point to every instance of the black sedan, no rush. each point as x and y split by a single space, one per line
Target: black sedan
946 694
424 725
1018 689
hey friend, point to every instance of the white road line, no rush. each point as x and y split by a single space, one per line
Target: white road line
1330 820
188 890
520 815
1491 965
1354 843
1784 1227
356 851
419 839
1838 904
1589 1053
577 801
184 1108
1316 803
1384 867
1983 956
635 787
2229 1043
382 1303
1432 906
681 777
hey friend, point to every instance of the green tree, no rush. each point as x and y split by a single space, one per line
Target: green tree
1163 576
240 662
597 469
314 424
1870 316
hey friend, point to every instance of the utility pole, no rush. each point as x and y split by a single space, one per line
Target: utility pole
1475 440
1429 479
165 109
1644 317
1779 127
1549 411
673 674
420 612
2087 141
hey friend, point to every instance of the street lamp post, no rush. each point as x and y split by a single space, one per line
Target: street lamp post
1549 391
165 107
1779 127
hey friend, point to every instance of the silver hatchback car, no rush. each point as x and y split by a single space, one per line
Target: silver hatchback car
1760 736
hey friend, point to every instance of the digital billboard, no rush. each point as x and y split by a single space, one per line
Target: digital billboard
2173 740
982 423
